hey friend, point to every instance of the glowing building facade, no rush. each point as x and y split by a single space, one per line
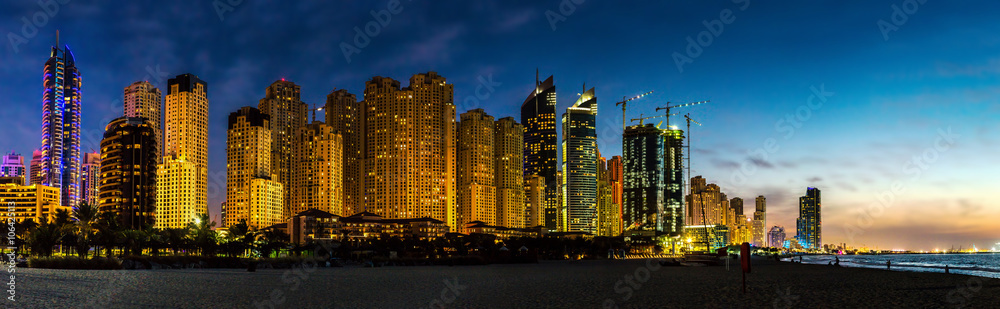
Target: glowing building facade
538 115
809 226
579 164
59 166
36 202
759 223
476 169
508 154
183 174
282 102
144 100
344 114
13 166
410 148
251 194
318 169
129 172
90 175
653 173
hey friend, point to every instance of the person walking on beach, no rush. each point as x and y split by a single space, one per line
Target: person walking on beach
888 265
838 261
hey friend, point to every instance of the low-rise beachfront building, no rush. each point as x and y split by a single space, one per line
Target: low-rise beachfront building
314 224
479 227
36 202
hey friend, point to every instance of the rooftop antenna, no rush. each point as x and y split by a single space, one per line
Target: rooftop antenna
57 38
536 80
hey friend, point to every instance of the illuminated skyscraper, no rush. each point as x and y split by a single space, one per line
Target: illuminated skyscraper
608 212
183 174
128 172
410 148
13 166
476 169
508 153
538 115
579 158
616 174
809 226
343 114
251 194
318 169
535 200
36 202
61 107
90 175
653 173
759 223
144 100
37 175
282 102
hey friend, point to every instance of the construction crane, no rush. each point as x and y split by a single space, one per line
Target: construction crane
641 118
668 107
624 103
709 232
314 109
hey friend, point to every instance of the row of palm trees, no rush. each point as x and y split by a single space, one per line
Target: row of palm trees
87 230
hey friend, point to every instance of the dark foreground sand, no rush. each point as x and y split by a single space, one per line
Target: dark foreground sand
583 284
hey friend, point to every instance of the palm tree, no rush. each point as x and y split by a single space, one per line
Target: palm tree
203 235
44 237
175 238
86 216
109 231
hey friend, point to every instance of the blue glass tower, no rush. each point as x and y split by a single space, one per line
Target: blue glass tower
61 107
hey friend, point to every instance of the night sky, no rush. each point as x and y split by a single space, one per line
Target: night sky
880 99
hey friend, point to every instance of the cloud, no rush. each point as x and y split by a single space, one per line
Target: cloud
968 208
724 164
814 179
514 20
760 163
991 67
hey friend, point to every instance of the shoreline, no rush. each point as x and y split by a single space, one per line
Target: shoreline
584 283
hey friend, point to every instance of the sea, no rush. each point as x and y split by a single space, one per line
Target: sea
975 264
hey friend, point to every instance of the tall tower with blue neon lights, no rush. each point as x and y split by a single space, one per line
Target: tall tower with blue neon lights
61 107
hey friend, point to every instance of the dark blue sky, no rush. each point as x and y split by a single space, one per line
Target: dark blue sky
887 96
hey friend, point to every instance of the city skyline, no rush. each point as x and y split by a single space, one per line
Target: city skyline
858 182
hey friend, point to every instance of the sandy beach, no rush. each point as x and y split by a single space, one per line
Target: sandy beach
553 284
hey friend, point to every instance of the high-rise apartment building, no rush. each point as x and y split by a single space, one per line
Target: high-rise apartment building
776 237
251 193
59 166
644 186
410 148
759 223
809 226
535 200
37 175
508 142
616 179
608 212
129 172
673 169
183 174
318 169
282 102
344 114
538 115
13 166
90 175
579 148
476 169
144 100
